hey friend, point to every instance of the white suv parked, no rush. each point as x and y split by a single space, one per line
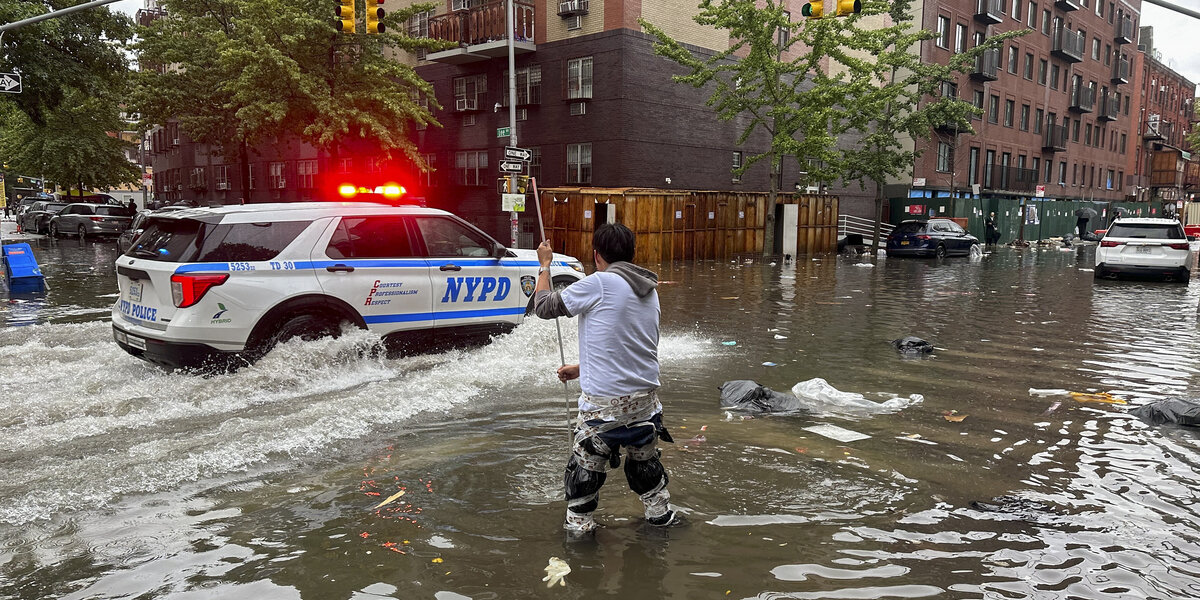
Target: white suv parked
216 287
1146 248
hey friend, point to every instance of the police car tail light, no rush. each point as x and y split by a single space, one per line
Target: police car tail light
188 288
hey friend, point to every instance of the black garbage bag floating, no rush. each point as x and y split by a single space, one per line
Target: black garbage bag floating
1176 411
747 395
912 345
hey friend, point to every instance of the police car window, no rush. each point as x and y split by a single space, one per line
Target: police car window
370 237
247 241
169 240
445 237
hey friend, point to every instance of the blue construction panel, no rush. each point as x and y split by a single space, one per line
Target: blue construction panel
21 269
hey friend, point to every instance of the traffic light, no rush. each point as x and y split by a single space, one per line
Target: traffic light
814 9
846 8
345 15
373 17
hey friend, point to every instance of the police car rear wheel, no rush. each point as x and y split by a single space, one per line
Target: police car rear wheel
307 327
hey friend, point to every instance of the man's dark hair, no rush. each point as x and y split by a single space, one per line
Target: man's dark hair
614 242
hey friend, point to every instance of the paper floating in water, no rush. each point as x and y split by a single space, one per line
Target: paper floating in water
834 432
556 572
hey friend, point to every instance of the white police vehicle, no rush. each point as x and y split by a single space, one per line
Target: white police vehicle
221 286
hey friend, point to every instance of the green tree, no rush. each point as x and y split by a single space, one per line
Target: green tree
235 73
844 80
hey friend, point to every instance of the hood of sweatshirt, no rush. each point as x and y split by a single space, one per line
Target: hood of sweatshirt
643 281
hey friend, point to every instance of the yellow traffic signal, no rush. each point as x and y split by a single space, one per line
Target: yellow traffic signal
373 17
846 8
345 14
512 184
814 9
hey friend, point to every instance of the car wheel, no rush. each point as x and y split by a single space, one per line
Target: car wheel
82 232
941 251
307 327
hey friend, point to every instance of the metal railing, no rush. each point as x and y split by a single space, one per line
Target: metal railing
484 23
848 224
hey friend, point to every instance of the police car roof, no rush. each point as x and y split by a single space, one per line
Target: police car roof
293 211
1147 220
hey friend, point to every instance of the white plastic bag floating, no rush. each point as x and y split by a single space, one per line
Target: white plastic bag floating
822 398
556 572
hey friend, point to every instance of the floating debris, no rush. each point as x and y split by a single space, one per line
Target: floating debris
834 432
556 572
389 500
953 416
1102 397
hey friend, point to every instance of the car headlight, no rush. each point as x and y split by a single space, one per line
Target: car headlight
578 266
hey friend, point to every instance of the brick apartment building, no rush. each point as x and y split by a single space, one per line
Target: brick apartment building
1165 108
1056 102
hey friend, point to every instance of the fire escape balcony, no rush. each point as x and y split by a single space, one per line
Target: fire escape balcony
1056 138
1120 72
572 8
1083 99
987 65
1067 5
989 12
1110 107
481 32
1013 179
1124 31
1068 45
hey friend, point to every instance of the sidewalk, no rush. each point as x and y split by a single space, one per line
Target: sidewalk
8 232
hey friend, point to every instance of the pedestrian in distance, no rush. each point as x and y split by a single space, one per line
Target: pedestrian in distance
992 235
618 313
132 207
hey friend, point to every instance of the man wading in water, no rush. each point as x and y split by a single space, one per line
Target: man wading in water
618 312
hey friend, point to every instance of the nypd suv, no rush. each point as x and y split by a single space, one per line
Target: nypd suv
221 286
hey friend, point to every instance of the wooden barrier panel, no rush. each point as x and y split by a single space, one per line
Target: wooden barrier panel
678 225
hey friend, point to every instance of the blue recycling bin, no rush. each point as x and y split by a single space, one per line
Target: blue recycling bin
21 270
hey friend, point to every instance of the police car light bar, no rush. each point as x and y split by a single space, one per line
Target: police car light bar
391 191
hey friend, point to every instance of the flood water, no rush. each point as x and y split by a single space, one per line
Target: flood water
118 480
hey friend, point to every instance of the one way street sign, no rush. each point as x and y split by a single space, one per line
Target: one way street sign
10 82
509 166
517 153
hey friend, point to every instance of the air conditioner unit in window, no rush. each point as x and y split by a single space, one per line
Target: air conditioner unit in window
579 108
461 5
222 186
282 183
466 104
572 8
179 187
175 142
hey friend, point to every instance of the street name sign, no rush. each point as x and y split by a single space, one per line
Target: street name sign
503 132
510 166
10 82
518 153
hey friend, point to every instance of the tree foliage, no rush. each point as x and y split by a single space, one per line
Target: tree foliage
245 71
74 75
827 80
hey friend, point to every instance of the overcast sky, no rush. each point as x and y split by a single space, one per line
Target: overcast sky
1175 35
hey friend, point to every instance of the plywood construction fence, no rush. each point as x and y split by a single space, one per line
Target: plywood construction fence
681 225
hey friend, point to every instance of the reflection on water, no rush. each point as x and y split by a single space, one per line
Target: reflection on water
123 481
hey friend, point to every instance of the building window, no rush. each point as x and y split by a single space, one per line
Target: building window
1046 21
1042 64
977 101
535 163
471 166
529 86
1062 173
306 171
1036 167
1121 148
1075 129
467 91
1038 118
196 178
1029 66
429 177
221 177
1087 134
1095 48
1108 52
945 157
989 161
275 178
1054 76
737 164
418 27
579 163
1024 117
1031 16
1013 57
973 168
250 172
579 78
960 38
943 32
994 109
785 33
345 165
1016 10
1010 107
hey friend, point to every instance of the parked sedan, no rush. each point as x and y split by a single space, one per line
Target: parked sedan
37 218
935 237
84 219
1144 248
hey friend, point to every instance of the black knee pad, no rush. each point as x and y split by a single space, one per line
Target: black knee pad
644 475
579 483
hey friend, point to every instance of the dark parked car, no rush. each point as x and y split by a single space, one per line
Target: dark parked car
935 237
125 242
36 219
84 219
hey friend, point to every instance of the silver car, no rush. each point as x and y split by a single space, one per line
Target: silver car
86 219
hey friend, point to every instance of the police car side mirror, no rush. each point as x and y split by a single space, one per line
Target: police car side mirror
499 251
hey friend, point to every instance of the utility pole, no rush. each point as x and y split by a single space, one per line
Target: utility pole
512 104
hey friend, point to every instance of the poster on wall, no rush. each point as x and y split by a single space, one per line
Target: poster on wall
916 209
1031 215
